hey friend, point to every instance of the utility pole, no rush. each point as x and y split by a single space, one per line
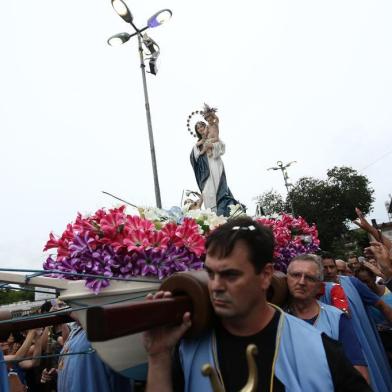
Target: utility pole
283 168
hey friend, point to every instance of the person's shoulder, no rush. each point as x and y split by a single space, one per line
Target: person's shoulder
360 286
193 342
297 322
352 279
331 309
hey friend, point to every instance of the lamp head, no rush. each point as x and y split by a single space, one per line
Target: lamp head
122 10
118 39
159 18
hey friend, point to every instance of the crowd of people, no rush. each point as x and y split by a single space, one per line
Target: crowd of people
326 338
333 334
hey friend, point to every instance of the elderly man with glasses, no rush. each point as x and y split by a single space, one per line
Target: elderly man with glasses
304 280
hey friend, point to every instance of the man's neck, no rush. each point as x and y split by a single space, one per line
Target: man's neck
252 324
306 309
333 280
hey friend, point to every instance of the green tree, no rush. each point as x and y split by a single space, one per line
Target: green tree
8 296
271 202
331 203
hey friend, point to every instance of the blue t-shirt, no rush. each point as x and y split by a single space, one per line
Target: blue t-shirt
349 340
368 296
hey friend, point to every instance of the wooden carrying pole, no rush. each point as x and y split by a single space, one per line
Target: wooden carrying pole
113 321
190 294
32 323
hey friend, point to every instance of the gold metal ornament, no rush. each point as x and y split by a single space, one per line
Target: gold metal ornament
208 371
251 385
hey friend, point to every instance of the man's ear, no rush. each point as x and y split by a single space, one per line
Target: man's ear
266 276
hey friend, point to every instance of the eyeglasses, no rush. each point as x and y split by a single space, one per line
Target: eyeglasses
307 278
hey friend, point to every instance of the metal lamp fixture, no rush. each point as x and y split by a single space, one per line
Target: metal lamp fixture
118 39
155 20
159 18
122 10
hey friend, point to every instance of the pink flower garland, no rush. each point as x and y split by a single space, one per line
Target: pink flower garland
114 244
293 236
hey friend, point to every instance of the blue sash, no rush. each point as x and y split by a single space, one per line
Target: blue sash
379 369
328 320
299 346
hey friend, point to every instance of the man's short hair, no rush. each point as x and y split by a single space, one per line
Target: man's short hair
45 307
311 258
259 240
366 270
327 255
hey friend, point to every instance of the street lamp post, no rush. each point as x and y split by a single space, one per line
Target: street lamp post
155 20
149 126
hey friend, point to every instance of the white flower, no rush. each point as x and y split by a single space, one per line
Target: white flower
154 214
208 217
236 210
214 221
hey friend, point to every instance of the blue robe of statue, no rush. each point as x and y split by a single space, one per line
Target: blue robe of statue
211 179
379 369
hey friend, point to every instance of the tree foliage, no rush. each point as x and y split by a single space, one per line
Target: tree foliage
331 203
271 202
8 296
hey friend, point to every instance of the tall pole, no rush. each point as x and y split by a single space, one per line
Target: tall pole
149 125
283 169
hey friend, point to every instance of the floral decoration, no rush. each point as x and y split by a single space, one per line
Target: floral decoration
293 236
112 243
156 243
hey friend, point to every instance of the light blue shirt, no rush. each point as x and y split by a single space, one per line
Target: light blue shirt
86 372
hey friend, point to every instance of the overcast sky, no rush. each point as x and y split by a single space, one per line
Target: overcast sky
309 81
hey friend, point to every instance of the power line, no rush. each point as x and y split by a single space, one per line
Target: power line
375 161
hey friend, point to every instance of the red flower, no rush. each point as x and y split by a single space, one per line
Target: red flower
159 240
136 240
113 224
170 230
137 223
188 235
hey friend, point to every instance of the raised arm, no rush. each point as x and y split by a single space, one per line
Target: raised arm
362 222
24 348
159 344
215 117
30 363
383 258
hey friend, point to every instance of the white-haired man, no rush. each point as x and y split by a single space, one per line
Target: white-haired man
304 277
